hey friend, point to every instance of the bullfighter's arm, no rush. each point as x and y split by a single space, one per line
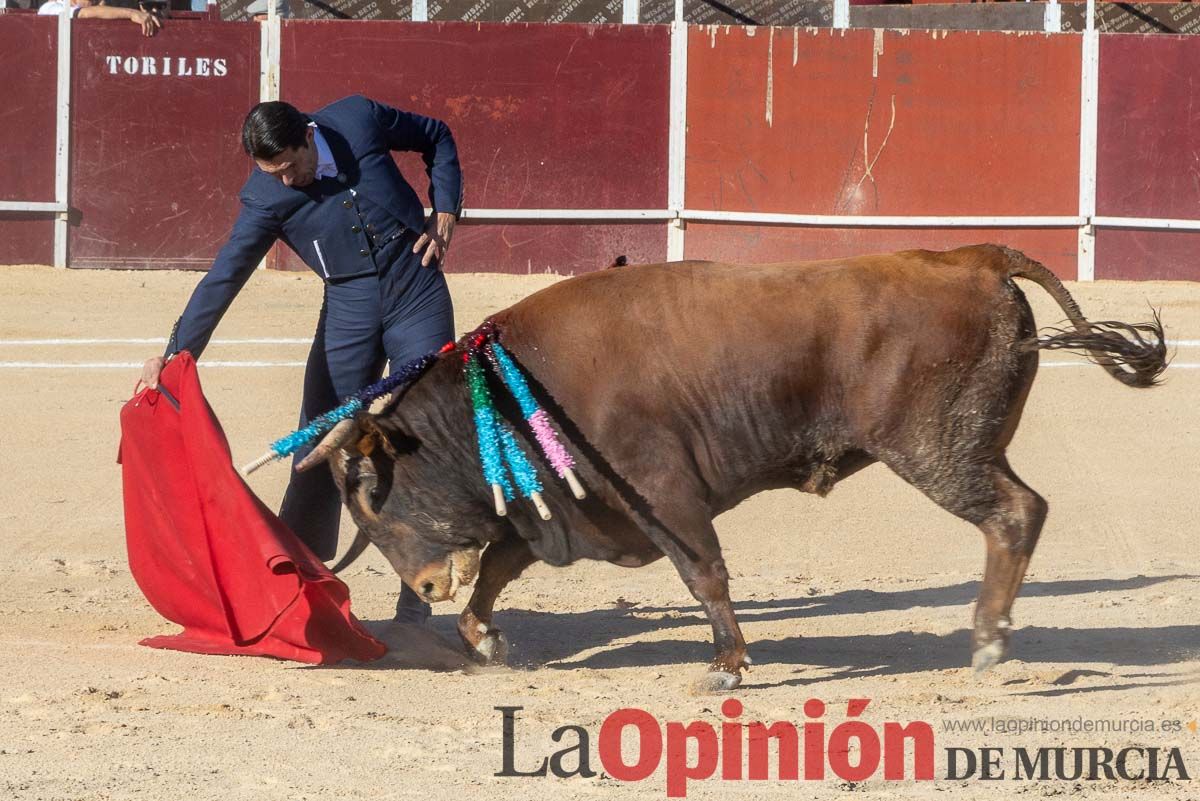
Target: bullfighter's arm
253 234
433 140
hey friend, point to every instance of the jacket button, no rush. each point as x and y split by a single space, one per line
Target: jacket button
348 204
364 253
356 229
371 227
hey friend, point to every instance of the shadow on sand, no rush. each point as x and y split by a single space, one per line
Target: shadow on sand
555 640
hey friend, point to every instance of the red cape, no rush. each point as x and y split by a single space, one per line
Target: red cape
208 554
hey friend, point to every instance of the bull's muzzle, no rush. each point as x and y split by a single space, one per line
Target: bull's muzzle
440 581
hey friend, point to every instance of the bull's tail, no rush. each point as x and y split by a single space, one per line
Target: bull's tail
1134 354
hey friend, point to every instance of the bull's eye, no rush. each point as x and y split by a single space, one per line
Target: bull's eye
376 495
368 488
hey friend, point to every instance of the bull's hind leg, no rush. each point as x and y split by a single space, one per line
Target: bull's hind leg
1010 515
501 563
1011 531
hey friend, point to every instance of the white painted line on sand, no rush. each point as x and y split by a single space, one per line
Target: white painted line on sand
135 365
160 341
129 365
1175 343
1171 366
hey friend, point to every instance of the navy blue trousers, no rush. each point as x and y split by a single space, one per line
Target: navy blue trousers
395 316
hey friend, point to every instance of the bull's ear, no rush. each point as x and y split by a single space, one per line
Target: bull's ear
380 433
373 438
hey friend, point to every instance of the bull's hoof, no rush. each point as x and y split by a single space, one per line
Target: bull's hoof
492 648
716 681
987 655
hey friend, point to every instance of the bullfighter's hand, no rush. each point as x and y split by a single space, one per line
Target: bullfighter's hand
151 370
435 239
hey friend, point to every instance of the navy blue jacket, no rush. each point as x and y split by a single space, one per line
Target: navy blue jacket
320 221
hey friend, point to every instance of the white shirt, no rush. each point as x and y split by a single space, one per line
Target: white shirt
55 7
326 166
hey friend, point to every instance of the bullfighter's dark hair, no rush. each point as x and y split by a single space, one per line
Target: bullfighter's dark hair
271 128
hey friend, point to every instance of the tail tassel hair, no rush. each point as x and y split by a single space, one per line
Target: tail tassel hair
1120 348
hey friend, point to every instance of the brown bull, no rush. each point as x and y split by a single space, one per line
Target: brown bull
685 388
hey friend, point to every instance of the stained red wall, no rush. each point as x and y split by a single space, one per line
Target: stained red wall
575 116
1148 154
156 159
1056 248
545 116
28 60
891 123
954 123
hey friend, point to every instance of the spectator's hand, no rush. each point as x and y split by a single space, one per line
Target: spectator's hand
150 372
435 240
150 22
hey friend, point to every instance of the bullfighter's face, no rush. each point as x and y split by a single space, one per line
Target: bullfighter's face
294 166
424 527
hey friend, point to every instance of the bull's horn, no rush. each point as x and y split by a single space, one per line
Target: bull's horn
573 483
338 436
381 403
498 498
353 552
540 505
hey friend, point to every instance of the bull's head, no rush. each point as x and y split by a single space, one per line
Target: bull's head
406 499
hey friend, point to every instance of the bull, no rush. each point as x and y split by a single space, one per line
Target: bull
685 388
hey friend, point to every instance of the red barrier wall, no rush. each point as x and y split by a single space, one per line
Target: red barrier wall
1056 248
545 116
1134 254
156 157
879 123
983 123
28 45
575 116
1148 154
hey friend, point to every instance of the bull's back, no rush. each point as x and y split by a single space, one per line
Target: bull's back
648 356
706 320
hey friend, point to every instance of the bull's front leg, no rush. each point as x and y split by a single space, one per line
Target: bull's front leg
710 586
501 563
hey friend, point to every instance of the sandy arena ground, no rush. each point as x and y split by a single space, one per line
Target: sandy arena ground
866 594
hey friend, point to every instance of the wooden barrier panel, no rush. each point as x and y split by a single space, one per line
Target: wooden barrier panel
879 123
1148 154
855 122
1133 254
156 140
1056 248
883 122
545 117
28 48
562 248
